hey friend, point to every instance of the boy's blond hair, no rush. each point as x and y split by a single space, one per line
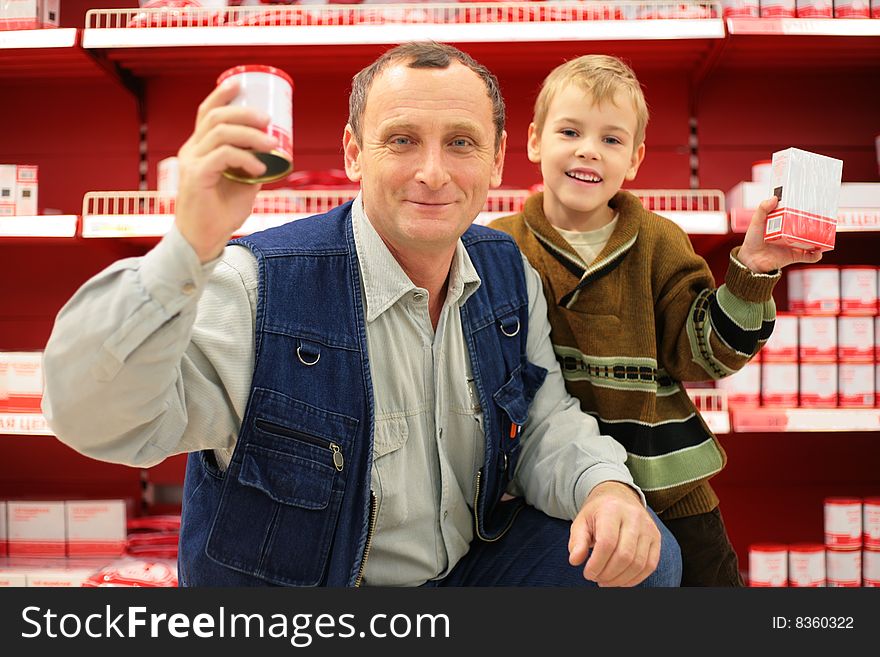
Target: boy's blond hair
602 76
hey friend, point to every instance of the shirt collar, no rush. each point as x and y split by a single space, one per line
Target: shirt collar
385 282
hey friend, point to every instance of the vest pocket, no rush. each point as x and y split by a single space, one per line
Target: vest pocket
282 494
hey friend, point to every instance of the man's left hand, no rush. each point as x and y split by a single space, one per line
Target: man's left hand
624 538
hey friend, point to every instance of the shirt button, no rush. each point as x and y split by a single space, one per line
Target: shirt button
188 288
418 297
445 514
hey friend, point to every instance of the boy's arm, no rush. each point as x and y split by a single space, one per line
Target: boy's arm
704 333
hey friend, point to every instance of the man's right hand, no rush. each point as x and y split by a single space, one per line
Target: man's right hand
210 207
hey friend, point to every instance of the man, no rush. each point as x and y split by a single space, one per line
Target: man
361 390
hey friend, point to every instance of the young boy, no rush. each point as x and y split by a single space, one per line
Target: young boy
634 311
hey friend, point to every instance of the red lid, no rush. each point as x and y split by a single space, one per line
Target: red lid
768 547
806 547
253 68
842 500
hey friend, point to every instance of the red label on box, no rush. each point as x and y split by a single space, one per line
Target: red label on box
801 229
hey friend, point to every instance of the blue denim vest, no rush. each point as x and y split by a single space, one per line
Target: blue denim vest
294 506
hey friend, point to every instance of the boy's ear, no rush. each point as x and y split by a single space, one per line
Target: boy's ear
351 152
534 144
637 157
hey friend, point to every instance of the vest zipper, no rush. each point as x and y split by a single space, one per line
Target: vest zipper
477 513
374 510
271 427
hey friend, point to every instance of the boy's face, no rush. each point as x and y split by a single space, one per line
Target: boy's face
586 151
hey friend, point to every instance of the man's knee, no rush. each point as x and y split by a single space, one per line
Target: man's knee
668 571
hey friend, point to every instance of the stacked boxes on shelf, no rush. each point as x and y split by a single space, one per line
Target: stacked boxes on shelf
18 189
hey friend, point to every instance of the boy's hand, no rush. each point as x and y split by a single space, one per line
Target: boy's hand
624 538
762 257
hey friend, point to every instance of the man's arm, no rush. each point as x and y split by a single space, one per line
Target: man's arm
152 357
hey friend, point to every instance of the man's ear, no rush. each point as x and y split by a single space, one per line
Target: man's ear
352 152
498 161
534 144
636 161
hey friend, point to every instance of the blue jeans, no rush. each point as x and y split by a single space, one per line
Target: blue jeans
534 552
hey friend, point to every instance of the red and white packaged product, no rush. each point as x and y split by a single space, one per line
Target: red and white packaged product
855 339
821 289
782 346
768 565
24 381
738 8
4 548
806 565
871 523
761 171
843 568
843 523
808 188
7 189
28 14
36 529
856 385
852 9
818 385
777 8
877 339
815 9
743 387
871 568
795 282
167 175
95 527
858 290
779 384
818 338
129 572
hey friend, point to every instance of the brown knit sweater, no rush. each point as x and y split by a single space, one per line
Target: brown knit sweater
629 327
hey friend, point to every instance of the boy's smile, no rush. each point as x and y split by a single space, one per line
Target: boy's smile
586 151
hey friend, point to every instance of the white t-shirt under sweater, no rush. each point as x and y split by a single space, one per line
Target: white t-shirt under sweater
589 243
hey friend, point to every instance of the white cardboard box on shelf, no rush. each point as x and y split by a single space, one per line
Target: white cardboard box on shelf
36 528
29 14
7 190
95 527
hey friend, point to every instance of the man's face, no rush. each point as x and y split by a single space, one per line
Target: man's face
427 157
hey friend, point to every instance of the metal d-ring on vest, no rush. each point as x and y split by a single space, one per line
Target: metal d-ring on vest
307 363
515 331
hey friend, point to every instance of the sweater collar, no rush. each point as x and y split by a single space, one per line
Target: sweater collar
631 213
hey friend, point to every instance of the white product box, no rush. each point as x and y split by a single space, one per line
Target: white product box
29 14
777 8
871 523
743 387
782 346
26 199
856 385
768 564
808 188
779 384
858 290
843 568
795 282
24 380
818 338
168 175
870 568
852 9
731 8
821 289
7 188
814 8
36 528
95 527
748 194
818 385
855 339
843 523
4 548
806 565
